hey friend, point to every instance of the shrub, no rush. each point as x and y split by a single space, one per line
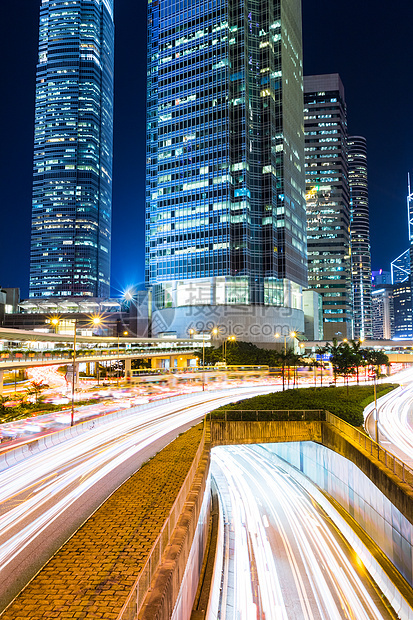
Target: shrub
348 407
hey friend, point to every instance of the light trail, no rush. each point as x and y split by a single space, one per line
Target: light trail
395 418
39 490
274 529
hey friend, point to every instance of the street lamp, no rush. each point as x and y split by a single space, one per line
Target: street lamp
229 339
72 415
95 320
55 322
291 334
192 332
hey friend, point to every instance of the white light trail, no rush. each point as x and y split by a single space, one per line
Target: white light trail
38 490
303 569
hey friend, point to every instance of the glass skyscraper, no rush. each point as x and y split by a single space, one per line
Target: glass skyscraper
225 204
360 237
328 201
72 178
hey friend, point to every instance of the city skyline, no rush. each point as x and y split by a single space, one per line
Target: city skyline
389 160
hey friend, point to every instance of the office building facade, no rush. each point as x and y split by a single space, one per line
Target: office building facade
403 310
380 277
72 175
226 221
382 313
328 201
360 237
400 268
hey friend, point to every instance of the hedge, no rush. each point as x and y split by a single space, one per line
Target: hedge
348 407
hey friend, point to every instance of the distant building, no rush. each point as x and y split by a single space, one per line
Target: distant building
383 313
313 315
403 315
379 278
400 268
328 201
360 237
225 198
72 167
9 301
117 315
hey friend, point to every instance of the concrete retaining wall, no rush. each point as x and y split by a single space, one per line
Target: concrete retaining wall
173 587
236 433
344 481
400 494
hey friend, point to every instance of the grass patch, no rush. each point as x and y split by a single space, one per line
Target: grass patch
348 407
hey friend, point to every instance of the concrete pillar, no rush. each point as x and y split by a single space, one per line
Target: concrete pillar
128 369
1 381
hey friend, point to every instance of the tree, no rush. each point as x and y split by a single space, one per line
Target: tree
376 359
334 350
345 361
35 389
358 354
320 364
285 359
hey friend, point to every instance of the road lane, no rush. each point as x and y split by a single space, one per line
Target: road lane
395 419
285 559
44 498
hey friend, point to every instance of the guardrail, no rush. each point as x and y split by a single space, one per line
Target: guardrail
135 599
267 415
389 460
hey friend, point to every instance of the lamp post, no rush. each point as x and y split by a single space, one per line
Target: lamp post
125 333
293 335
377 411
95 321
214 332
229 339
72 415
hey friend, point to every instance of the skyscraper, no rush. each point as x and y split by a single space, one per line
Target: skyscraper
72 176
328 200
226 221
360 237
400 268
382 313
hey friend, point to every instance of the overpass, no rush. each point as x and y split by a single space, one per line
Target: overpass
398 351
44 349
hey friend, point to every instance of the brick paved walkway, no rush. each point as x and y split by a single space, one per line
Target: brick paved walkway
93 573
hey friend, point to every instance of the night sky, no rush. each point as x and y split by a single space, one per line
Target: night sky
366 42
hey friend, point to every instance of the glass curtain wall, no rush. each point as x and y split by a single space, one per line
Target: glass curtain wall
72 177
225 171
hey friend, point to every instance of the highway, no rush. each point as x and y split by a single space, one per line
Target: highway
44 498
283 558
395 418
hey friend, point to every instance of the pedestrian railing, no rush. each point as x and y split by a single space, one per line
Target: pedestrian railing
135 599
266 415
388 459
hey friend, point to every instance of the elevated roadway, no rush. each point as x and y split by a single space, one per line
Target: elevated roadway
398 352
